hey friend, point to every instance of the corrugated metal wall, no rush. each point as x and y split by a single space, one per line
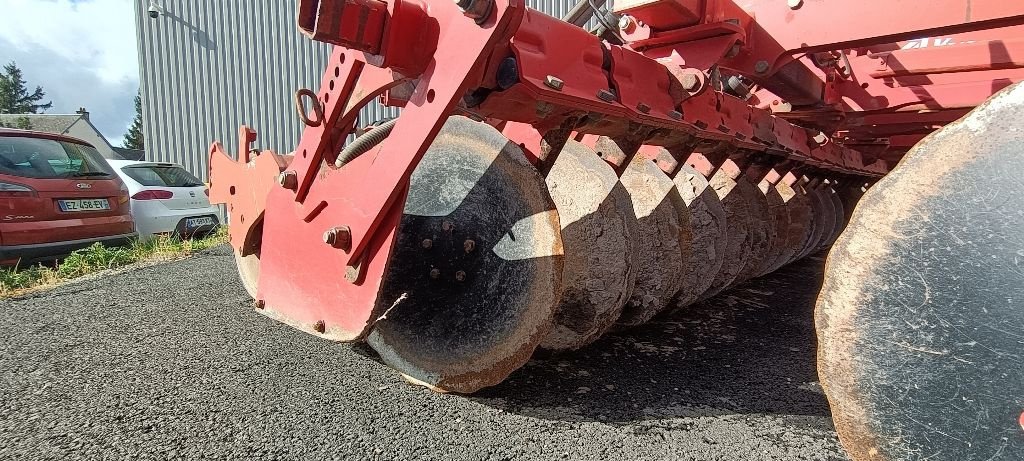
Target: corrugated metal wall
208 66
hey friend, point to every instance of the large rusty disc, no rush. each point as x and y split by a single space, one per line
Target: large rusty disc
735 199
921 317
799 229
599 231
840 216
475 273
248 272
778 208
660 243
761 233
709 233
823 220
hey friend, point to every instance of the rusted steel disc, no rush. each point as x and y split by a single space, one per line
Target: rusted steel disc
828 219
798 230
475 273
921 317
778 208
735 199
761 233
662 239
822 222
599 231
709 232
840 217
248 272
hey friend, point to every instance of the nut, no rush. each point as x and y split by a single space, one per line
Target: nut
288 180
460 276
435 273
469 246
427 243
554 83
339 237
606 96
761 67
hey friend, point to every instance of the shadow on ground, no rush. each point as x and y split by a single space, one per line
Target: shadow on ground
749 350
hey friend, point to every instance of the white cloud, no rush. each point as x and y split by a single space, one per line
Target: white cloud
98 35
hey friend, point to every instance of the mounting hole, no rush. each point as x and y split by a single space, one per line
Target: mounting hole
430 96
303 153
341 60
231 190
337 71
327 97
864 85
241 218
331 85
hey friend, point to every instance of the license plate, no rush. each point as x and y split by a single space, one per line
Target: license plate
97 204
193 223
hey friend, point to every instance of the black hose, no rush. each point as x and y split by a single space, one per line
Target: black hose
364 143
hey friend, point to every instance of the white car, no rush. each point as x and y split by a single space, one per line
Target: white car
166 199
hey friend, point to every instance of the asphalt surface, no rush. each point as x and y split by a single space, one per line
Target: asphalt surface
170 361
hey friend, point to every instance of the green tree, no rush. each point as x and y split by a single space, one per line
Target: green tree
135 139
14 95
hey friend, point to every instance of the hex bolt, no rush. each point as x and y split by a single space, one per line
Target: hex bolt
477 10
447 226
435 273
320 326
460 276
761 67
606 96
427 243
339 237
627 24
554 83
288 180
643 108
795 4
676 115
690 82
469 246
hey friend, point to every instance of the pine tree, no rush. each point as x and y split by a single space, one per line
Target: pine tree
14 95
135 139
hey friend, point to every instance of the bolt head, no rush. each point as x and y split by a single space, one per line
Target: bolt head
477 10
460 276
435 273
339 237
554 83
690 82
627 24
288 180
676 115
643 108
427 243
469 246
795 4
761 67
320 326
260 304
606 96
447 226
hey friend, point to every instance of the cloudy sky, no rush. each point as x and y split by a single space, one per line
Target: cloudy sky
82 52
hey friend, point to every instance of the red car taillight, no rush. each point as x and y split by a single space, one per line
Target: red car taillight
154 194
10 190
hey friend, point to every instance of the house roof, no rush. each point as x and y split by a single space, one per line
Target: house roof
58 124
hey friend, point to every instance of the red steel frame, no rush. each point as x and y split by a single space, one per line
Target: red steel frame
836 94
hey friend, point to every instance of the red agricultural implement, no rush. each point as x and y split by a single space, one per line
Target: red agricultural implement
545 183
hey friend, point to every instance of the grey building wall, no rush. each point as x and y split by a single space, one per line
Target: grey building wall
208 66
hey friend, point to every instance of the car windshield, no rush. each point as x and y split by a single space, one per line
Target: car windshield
49 159
162 176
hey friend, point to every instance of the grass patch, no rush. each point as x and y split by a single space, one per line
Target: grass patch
98 257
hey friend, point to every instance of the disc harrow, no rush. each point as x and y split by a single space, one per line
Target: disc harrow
545 185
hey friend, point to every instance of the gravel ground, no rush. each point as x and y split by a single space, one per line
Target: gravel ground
170 361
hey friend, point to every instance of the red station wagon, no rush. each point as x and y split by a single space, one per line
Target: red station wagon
57 195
